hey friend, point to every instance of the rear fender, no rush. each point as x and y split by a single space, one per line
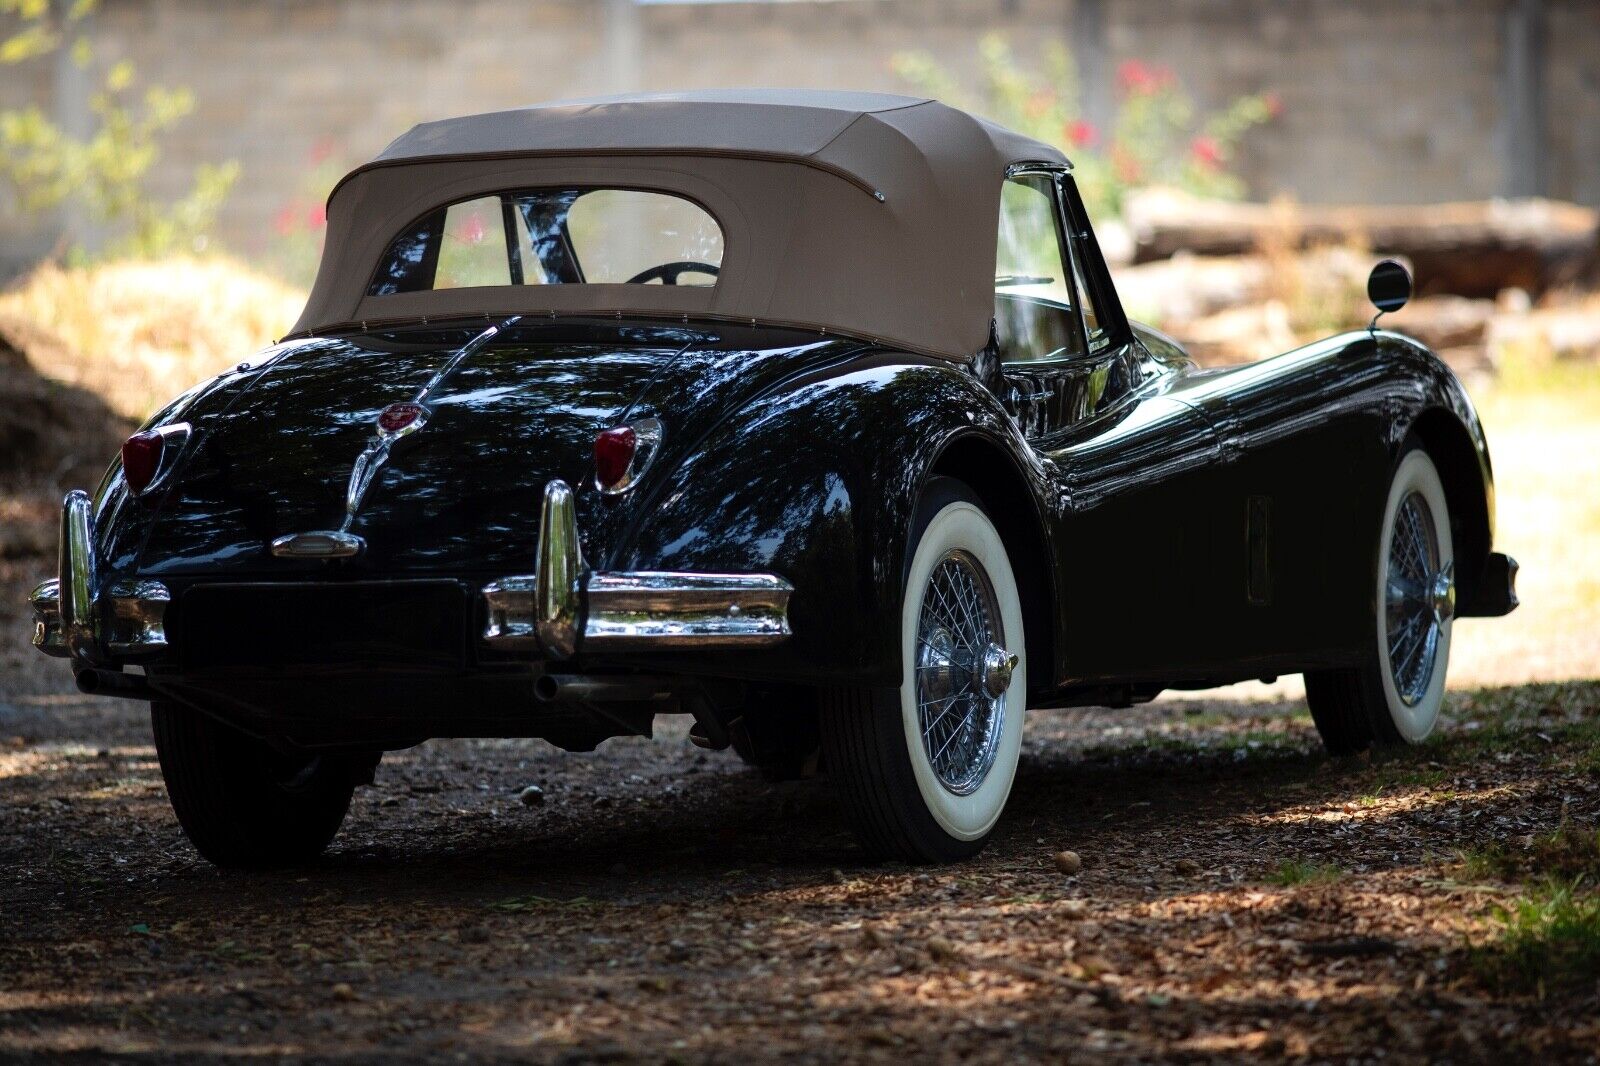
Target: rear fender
817 482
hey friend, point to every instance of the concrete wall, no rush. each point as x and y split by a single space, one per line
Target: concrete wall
1385 100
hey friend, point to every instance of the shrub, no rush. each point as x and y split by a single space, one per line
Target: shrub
101 177
1158 136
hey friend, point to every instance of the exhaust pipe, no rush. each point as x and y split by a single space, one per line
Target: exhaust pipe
585 688
95 682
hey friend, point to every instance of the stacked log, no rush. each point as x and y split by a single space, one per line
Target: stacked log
1471 249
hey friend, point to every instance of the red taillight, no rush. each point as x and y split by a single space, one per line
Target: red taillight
613 455
141 458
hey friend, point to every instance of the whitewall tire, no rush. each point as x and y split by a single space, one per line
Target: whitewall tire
924 771
1394 697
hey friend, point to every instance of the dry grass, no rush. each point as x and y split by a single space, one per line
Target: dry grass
139 332
1543 423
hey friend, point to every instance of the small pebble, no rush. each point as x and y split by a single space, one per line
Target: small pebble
1095 965
1068 862
1074 908
1187 867
343 993
941 948
532 796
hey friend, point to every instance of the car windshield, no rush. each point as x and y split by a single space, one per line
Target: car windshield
555 237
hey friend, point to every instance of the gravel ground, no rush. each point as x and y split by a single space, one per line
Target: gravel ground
665 904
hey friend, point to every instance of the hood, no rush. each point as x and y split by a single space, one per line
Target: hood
273 455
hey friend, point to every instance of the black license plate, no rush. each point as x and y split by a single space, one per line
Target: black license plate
392 624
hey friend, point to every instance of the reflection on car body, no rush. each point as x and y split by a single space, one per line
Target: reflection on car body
811 415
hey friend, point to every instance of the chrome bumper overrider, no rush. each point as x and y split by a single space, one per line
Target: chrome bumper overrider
563 605
70 619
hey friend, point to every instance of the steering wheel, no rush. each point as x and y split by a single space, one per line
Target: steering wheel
669 272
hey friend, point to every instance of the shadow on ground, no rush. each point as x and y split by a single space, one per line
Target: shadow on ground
665 903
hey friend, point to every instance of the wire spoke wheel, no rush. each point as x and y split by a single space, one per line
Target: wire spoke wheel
1417 588
1393 695
960 719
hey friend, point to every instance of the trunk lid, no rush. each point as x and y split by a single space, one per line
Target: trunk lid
462 494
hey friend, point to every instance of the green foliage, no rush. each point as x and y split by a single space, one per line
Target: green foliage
1158 136
1293 872
101 176
1546 941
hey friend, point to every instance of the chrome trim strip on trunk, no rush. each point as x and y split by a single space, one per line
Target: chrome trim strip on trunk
376 453
625 611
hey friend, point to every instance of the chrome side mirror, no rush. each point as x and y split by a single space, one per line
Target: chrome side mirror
1388 287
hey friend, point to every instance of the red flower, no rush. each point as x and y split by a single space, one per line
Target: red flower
1274 104
1206 151
1142 78
1082 134
1134 76
287 220
472 229
317 217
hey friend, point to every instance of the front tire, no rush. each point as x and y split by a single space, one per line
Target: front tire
924 771
243 803
1393 698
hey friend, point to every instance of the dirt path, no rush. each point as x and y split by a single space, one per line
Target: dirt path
1242 895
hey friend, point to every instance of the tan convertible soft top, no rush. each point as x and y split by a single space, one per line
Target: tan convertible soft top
862 214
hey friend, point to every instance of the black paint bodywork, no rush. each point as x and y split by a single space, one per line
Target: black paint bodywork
1169 526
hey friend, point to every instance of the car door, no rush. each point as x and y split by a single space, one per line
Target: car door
1127 459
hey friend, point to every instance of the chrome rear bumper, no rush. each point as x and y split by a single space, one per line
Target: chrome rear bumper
70 618
563 606
555 611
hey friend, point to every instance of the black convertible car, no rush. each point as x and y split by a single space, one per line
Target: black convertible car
812 415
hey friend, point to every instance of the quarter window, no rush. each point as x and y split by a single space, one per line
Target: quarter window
1091 317
555 237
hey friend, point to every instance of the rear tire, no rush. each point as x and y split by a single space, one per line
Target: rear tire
923 771
243 803
1393 698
